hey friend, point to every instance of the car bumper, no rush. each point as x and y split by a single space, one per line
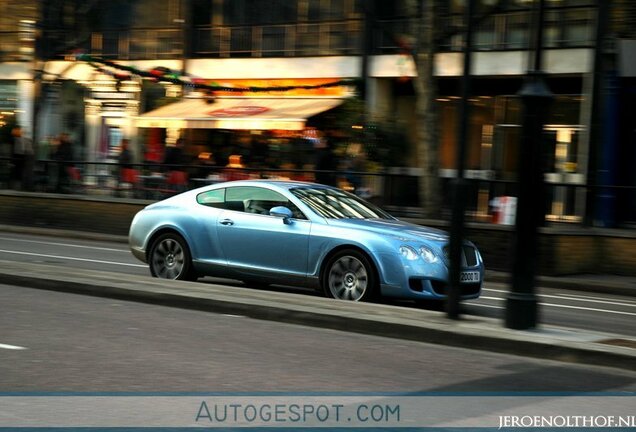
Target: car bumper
429 289
139 253
417 280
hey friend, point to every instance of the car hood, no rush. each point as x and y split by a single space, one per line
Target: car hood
394 228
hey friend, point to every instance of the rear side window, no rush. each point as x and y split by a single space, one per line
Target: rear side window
257 200
212 198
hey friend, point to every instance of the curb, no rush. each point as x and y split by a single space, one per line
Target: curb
552 343
55 232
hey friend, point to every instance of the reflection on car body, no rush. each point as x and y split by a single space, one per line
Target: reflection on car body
296 233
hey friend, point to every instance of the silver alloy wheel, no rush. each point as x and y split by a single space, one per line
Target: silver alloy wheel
168 259
348 278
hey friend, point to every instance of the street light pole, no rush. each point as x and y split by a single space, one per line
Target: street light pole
367 49
521 303
460 184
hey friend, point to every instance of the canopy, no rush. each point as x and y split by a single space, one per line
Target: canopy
237 113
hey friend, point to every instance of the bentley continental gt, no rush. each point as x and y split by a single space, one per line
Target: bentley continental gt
297 233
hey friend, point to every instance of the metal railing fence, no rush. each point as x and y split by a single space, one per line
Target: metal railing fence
488 200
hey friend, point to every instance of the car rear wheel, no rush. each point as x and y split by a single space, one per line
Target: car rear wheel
349 275
253 283
170 258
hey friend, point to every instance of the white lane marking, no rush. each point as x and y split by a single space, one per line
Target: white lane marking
486 306
588 309
73 258
64 244
567 306
491 298
592 299
11 347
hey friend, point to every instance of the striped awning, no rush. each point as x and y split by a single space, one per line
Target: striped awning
237 113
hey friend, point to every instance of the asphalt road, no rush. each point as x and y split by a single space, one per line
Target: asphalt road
52 341
592 311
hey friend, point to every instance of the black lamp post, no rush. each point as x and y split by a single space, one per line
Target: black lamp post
521 303
460 183
366 47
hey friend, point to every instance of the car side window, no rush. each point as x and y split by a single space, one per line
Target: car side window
212 198
257 200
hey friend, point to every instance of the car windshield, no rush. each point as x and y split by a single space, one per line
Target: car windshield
338 204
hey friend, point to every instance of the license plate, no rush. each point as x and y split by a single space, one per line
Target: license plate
469 277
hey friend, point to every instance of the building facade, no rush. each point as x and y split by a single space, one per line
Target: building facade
270 41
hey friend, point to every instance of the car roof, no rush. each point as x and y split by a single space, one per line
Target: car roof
281 185
285 184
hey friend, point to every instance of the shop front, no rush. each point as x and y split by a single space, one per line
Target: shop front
246 129
493 152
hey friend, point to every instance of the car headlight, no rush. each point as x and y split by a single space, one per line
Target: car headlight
480 259
428 255
408 252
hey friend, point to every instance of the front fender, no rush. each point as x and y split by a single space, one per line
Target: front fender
325 239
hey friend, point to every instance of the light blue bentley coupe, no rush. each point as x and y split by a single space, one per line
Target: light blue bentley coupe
295 233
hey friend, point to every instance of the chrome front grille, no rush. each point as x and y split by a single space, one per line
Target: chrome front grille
469 256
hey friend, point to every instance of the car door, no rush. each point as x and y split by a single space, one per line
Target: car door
208 251
256 244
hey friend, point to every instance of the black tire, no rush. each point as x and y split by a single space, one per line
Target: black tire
253 283
431 304
170 258
349 275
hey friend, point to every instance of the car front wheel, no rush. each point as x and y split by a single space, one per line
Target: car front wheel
349 275
170 258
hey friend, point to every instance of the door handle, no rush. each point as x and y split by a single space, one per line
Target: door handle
227 222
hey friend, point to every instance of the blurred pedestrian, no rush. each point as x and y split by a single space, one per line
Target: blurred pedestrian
354 164
326 162
128 176
64 157
177 178
23 158
174 154
125 156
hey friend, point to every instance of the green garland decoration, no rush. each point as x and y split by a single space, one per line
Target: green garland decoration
166 75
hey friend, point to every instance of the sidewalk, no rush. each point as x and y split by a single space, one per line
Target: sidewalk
547 342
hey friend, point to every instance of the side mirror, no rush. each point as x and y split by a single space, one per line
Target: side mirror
282 212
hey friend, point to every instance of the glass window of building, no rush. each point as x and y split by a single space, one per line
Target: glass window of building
17 30
275 11
485 35
202 12
553 29
314 10
237 12
8 101
516 30
578 30
151 13
337 9
391 9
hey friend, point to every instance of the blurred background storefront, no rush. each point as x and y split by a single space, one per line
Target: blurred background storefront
277 42
244 123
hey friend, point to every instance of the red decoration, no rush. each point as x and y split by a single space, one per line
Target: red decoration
238 111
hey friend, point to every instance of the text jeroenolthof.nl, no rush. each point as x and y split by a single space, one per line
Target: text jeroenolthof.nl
567 421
